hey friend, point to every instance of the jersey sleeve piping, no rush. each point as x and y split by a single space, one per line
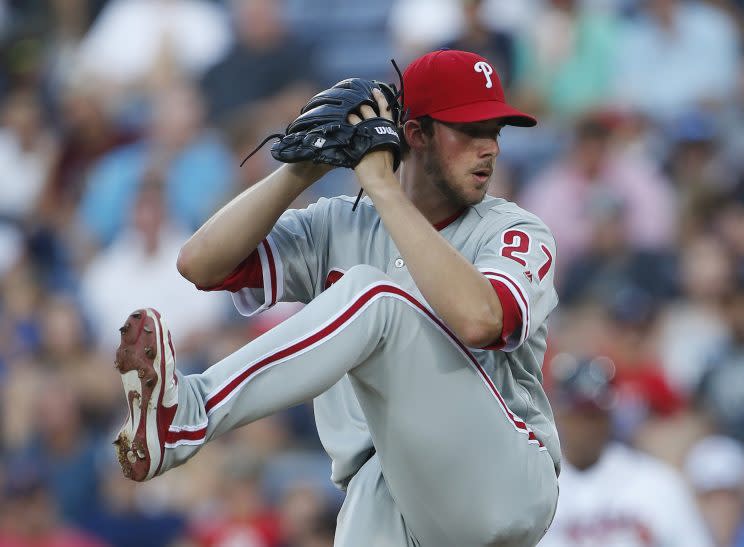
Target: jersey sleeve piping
520 297
273 281
273 271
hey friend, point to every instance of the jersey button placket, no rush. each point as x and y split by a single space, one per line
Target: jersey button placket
396 269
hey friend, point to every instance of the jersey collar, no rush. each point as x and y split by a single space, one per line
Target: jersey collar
442 224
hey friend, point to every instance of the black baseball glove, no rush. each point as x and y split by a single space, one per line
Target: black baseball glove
323 134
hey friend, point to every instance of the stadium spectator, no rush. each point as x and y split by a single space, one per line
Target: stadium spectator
29 516
139 269
610 262
61 450
27 151
496 45
697 169
719 393
565 57
87 132
728 223
266 68
61 31
240 515
123 519
437 22
20 295
194 164
715 469
643 391
611 495
591 174
674 56
306 520
705 275
11 246
173 37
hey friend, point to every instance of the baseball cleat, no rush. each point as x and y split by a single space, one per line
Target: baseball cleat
146 361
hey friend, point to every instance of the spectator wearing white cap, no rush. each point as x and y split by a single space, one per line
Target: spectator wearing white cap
715 469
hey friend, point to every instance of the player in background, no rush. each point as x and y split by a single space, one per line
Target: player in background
421 342
611 494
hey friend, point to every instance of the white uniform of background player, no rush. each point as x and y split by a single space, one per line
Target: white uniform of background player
436 443
613 495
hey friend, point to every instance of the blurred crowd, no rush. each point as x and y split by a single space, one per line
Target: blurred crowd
122 127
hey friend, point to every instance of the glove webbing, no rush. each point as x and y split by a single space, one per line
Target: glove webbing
404 115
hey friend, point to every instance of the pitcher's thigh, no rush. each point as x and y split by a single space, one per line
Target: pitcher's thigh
460 467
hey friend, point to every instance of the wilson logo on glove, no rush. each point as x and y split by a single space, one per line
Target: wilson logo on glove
382 129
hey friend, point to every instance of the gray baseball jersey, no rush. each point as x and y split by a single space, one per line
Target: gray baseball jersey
442 444
310 249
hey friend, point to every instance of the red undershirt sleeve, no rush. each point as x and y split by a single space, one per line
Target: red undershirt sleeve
247 274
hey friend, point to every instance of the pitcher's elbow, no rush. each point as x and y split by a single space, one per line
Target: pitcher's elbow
188 264
478 334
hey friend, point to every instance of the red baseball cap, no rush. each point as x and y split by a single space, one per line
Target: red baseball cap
457 86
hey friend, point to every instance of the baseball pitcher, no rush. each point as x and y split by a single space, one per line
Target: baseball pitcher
425 326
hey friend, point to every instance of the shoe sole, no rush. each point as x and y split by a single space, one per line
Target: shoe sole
141 361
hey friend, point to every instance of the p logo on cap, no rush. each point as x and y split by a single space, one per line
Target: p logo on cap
485 68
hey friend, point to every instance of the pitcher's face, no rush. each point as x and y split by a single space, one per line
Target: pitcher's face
459 158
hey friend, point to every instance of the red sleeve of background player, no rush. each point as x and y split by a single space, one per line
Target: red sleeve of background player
247 274
512 315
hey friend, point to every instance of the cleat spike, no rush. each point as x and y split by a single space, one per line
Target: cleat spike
131 457
150 352
147 329
141 454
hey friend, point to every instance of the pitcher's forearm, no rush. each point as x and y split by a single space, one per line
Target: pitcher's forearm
454 288
234 231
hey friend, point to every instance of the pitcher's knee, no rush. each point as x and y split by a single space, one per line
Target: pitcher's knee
500 532
506 528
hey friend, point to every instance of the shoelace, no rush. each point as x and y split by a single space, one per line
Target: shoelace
263 142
